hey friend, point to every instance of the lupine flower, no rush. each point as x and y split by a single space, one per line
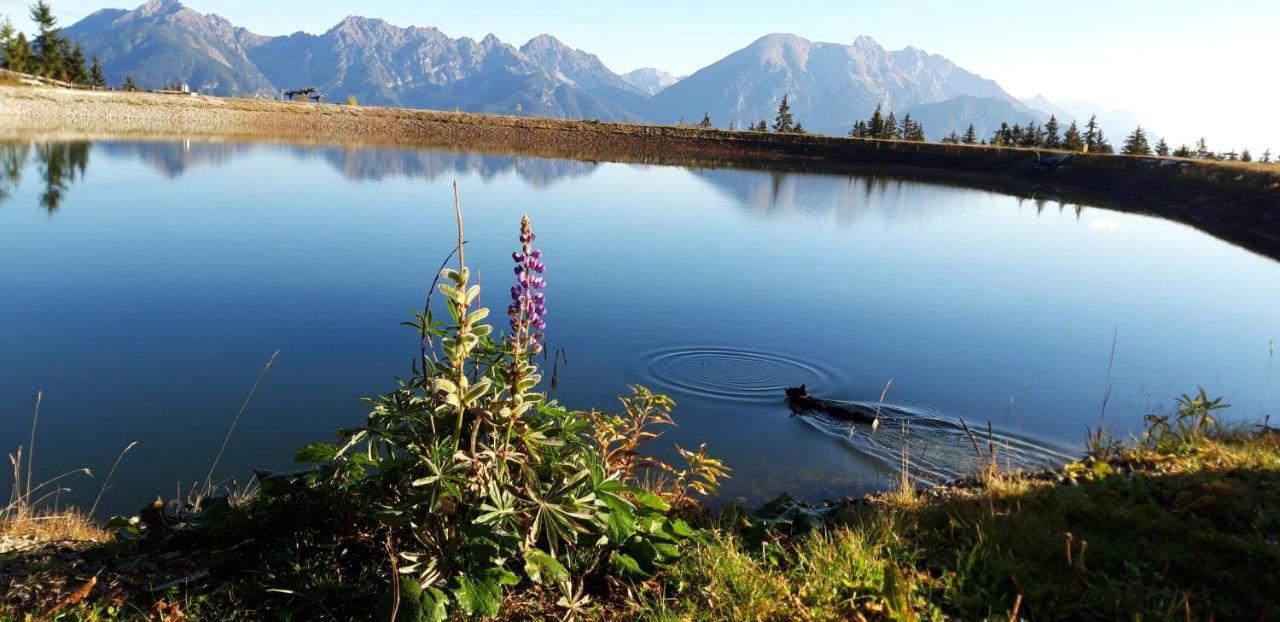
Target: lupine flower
528 305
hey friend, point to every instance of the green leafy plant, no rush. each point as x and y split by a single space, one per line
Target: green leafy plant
480 483
1187 426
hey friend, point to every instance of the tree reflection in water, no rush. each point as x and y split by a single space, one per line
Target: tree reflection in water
60 165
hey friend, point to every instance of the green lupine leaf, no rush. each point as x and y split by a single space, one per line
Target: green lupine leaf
650 500
627 566
543 568
435 605
316 452
682 529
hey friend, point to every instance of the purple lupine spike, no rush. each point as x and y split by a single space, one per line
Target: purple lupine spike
529 305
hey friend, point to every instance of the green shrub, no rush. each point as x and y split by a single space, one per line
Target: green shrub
481 483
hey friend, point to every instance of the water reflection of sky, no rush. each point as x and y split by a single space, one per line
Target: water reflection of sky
144 302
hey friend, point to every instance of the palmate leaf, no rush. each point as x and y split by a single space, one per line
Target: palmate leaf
316 452
542 568
480 594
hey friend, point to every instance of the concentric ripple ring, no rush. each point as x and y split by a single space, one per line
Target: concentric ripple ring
728 373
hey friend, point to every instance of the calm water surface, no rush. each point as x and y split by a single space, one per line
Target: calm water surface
143 285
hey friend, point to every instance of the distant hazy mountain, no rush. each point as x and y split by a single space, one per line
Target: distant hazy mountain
377 62
650 80
985 113
1115 124
829 85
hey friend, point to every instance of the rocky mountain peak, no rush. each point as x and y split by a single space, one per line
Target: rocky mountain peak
159 7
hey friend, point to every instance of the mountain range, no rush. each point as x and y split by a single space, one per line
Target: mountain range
828 85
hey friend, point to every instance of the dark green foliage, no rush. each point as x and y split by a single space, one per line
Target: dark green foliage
1245 156
1032 136
1052 139
784 123
1162 148
17 54
970 136
1094 140
96 76
888 128
875 126
912 131
1004 136
1072 140
1183 151
50 54
1136 143
1266 157
77 71
706 121
129 84
952 139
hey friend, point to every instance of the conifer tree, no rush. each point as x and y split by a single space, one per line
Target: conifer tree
1072 140
859 129
1103 145
783 122
1031 135
1183 151
1003 136
1136 143
917 133
18 56
706 120
96 76
1245 156
1162 148
952 139
130 85
1202 149
890 131
970 136
47 47
798 129
1051 138
907 128
76 70
875 127
1266 157
6 38
1091 134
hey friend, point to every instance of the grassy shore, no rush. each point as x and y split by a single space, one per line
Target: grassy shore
1236 201
1190 532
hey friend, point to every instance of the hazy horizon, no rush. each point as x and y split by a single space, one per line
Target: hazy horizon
1184 69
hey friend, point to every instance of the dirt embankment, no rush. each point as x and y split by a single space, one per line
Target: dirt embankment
1239 203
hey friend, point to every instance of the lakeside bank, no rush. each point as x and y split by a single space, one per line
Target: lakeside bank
1237 202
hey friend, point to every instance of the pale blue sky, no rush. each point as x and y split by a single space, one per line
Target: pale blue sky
1181 65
